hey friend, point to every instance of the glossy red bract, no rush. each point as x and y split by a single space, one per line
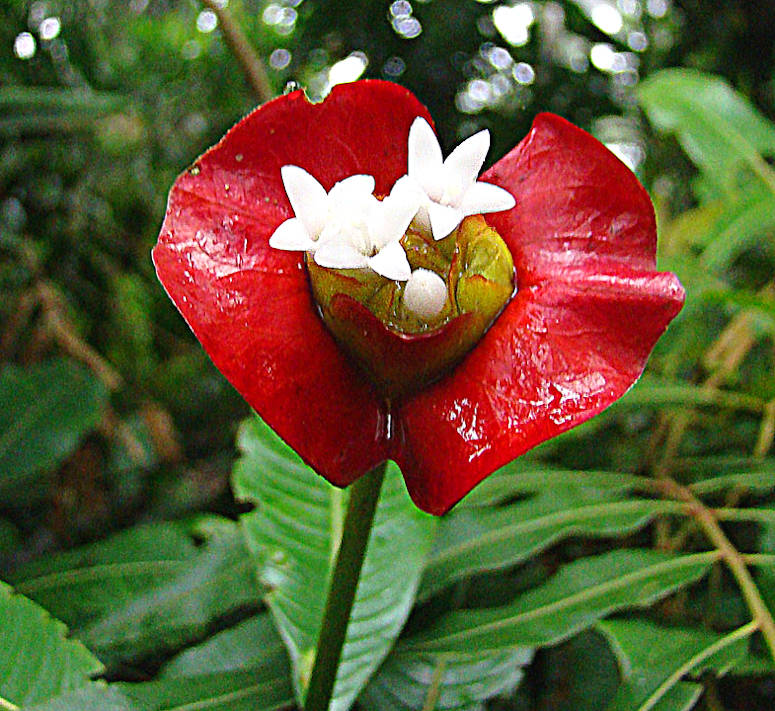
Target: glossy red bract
577 334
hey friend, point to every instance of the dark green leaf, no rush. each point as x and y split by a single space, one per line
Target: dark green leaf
261 689
82 585
217 581
476 540
96 696
45 410
577 596
250 644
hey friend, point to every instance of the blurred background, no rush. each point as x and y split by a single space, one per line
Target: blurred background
110 412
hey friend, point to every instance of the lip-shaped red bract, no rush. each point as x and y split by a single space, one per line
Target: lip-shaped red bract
588 310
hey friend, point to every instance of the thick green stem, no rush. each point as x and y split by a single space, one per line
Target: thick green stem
364 495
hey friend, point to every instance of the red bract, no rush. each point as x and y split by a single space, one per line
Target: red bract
576 335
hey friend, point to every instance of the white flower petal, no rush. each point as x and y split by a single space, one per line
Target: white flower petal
462 166
339 255
292 235
425 293
307 197
426 163
444 219
391 262
485 197
390 218
356 187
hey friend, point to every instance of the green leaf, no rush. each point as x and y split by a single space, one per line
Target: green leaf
37 661
45 410
260 689
294 534
745 219
252 643
96 695
82 585
407 680
654 391
245 667
148 588
216 582
578 595
523 476
484 539
653 660
719 129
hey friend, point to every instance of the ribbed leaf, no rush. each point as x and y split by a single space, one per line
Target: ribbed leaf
654 659
652 391
578 595
217 581
96 696
295 532
45 410
408 681
250 644
475 540
523 476
146 589
37 661
718 128
83 584
260 689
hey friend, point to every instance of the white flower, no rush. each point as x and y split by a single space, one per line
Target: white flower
425 293
449 187
348 228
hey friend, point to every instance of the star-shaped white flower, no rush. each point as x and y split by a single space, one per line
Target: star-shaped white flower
348 228
449 187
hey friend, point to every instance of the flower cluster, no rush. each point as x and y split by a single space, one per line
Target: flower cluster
349 228
575 335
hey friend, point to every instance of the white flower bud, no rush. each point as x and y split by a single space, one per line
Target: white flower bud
425 294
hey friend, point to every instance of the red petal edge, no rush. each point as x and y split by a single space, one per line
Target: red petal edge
251 305
576 336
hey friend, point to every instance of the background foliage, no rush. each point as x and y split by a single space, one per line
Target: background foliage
589 574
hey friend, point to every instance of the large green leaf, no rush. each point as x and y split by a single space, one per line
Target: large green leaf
147 589
295 532
654 659
37 661
525 476
96 695
252 643
719 129
86 583
45 410
244 667
260 689
216 582
578 595
408 681
473 540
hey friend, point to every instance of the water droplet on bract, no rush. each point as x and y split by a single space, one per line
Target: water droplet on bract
239 157
291 86
194 170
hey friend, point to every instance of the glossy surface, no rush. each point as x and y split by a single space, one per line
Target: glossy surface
576 336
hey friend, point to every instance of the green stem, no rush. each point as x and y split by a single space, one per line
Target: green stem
364 494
